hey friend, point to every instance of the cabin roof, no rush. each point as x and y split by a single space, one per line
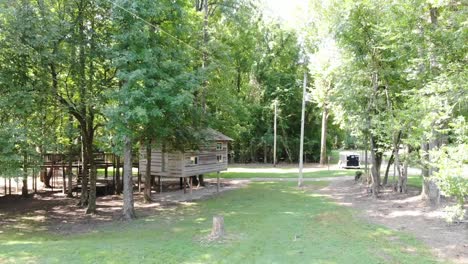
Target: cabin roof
211 134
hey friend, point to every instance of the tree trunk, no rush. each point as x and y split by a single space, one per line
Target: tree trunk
147 191
45 177
430 191
218 227
284 140
92 179
24 189
396 148
425 192
128 212
390 162
70 174
402 173
205 52
84 178
375 169
366 158
118 181
201 180
323 145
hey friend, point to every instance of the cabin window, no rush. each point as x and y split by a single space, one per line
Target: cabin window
193 160
221 158
219 146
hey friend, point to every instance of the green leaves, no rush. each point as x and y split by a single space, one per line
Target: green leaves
155 97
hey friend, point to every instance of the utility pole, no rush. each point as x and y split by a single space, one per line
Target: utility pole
274 133
301 148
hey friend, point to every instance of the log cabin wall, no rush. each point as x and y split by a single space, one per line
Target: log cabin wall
211 157
173 163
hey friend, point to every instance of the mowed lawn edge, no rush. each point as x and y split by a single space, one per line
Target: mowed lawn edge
313 174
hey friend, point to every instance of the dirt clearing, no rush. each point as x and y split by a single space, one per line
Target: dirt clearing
406 213
51 211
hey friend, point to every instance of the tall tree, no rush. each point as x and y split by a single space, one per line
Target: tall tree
155 101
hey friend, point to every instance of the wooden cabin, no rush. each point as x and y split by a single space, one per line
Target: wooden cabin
211 156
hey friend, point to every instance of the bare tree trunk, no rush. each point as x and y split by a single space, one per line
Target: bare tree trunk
403 179
430 190
387 170
24 189
396 147
425 171
84 178
375 169
323 145
433 190
284 140
70 173
205 52
128 212
366 158
147 191
92 179
118 181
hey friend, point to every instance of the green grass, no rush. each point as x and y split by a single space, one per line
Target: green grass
265 223
415 181
334 156
315 174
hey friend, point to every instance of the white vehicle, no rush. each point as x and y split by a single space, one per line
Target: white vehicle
349 160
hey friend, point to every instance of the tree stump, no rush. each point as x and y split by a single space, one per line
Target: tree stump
218 227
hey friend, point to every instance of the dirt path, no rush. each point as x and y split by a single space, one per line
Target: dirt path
407 213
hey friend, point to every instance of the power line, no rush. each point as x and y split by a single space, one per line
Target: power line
154 26
168 34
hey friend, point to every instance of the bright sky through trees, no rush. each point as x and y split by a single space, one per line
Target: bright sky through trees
289 12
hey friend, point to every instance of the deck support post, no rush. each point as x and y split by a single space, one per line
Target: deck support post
190 184
217 182
34 181
160 184
139 182
64 182
185 185
113 172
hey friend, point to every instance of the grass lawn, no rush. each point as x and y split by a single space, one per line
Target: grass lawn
265 223
314 174
415 181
